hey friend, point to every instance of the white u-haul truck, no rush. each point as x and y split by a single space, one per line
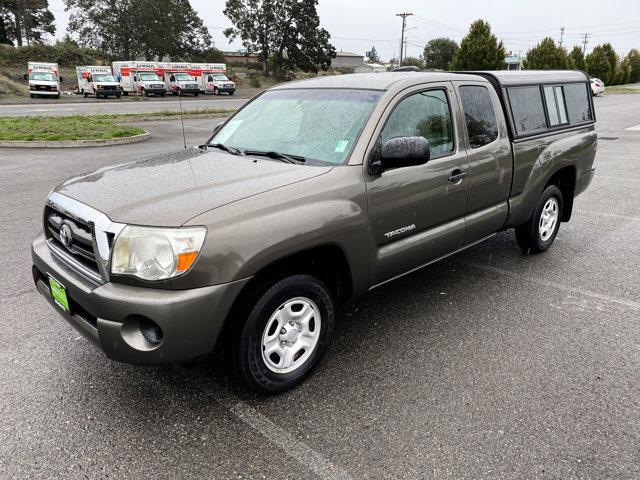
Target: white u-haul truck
144 78
97 81
212 78
44 79
178 79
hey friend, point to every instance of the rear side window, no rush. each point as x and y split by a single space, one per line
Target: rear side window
577 97
425 114
479 115
527 109
556 108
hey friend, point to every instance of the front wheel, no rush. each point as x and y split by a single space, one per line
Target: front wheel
231 94
283 333
541 229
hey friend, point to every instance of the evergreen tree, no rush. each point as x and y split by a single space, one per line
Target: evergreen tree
25 21
546 56
479 50
372 55
577 57
633 61
614 62
139 28
598 64
286 34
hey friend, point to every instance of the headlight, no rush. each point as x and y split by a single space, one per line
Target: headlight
153 253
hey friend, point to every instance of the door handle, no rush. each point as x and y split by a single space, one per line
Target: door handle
457 176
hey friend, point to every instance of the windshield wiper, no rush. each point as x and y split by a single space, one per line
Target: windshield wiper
285 157
220 146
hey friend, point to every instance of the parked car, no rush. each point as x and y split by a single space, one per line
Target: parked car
597 86
312 194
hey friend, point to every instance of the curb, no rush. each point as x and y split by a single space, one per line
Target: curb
74 143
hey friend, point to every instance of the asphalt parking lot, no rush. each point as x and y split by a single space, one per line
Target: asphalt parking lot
491 364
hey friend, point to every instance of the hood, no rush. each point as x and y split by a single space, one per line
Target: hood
168 190
107 84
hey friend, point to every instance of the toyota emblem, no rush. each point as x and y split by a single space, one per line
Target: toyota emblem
65 235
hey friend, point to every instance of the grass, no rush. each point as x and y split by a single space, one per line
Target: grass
619 89
76 127
136 117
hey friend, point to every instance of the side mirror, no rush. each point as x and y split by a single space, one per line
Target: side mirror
400 152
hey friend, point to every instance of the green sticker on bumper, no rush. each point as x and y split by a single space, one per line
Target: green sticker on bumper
59 294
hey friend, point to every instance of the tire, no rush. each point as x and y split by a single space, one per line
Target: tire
126 94
118 96
162 94
231 94
85 94
539 232
196 94
57 97
272 312
32 95
146 94
215 91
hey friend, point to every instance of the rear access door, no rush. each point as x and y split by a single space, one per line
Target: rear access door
486 141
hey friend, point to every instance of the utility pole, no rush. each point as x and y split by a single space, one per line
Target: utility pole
404 16
561 35
584 43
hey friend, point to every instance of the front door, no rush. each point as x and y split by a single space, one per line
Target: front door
417 213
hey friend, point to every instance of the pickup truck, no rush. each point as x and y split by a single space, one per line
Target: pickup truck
312 194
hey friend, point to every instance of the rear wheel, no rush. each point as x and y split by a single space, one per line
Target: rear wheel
283 333
541 229
231 93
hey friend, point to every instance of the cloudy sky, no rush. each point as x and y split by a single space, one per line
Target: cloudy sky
356 25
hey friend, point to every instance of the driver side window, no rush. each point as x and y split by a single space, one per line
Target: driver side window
424 114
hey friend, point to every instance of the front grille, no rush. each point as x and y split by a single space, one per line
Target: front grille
44 88
109 87
72 240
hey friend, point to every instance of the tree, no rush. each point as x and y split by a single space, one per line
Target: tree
633 61
286 34
413 62
25 21
577 57
614 62
372 55
598 64
479 50
139 28
439 53
546 56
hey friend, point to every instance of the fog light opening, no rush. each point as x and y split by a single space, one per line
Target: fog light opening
151 331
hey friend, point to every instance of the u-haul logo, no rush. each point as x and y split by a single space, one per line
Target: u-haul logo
400 231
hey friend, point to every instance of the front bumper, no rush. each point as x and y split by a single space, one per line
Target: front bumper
226 89
108 93
47 93
154 91
109 315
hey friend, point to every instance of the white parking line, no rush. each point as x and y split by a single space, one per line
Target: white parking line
294 448
635 128
558 286
186 126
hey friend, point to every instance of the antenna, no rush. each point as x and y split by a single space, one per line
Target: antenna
561 35
184 137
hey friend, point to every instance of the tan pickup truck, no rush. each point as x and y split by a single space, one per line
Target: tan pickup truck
310 195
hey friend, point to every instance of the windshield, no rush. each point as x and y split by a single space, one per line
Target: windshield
220 76
320 124
184 76
103 77
42 76
148 77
